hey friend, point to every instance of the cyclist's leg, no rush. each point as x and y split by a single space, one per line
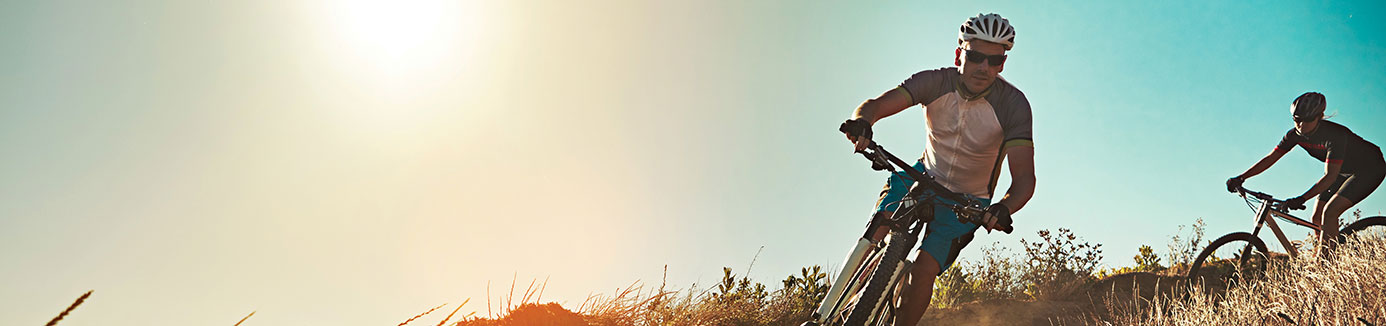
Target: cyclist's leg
1354 189
891 194
919 289
944 238
1321 205
1329 236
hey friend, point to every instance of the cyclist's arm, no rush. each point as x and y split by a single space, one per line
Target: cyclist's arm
1022 166
1330 174
1263 164
886 105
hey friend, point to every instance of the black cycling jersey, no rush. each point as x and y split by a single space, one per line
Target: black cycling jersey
1334 143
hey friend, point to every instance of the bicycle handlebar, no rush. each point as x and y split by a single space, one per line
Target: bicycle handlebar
968 210
1275 203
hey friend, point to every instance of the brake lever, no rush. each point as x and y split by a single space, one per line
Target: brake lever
878 163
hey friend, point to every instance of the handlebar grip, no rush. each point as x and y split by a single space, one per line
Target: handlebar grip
856 128
1005 224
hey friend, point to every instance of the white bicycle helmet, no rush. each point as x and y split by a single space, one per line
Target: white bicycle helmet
990 28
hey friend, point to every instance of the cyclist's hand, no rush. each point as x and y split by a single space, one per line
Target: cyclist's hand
1296 203
1234 183
998 217
858 131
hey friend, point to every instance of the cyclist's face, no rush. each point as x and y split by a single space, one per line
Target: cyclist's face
1306 127
977 76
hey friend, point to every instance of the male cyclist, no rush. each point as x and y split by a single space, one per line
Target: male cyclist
974 120
1353 166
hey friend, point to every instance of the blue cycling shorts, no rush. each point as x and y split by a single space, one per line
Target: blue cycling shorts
946 235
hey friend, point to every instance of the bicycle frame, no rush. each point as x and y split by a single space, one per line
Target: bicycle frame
923 194
1265 216
838 292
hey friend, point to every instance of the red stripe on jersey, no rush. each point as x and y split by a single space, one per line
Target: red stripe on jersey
1312 146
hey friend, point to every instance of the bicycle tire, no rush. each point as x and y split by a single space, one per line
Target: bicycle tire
1222 241
887 272
1359 226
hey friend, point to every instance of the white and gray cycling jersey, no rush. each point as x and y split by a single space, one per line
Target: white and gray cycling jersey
968 138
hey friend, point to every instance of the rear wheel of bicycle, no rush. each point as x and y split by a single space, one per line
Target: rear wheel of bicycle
1374 223
873 301
1244 260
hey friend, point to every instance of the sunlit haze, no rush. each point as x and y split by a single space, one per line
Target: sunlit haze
358 162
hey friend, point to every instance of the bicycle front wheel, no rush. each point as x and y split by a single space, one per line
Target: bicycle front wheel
874 301
1245 260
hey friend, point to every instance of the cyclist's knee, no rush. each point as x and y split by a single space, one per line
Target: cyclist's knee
1337 206
881 229
925 265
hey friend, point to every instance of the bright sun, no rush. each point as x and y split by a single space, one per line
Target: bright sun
402 35
400 60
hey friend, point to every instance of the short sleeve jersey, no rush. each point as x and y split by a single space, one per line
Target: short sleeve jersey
967 139
1333 143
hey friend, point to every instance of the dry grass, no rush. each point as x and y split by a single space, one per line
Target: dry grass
735 301
238 323
1347 289
421 315
69 309
454 312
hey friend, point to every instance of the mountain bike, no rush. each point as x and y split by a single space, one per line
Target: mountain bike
1270 207
866 289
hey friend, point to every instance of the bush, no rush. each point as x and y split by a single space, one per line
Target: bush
1058 265
1054 267
1183 248
997 276
1147 260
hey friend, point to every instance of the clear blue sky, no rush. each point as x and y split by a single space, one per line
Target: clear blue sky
339 162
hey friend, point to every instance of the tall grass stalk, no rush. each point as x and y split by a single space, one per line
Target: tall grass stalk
454 311
422 314
69 308
252 313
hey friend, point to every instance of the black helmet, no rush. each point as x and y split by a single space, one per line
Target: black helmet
1308 106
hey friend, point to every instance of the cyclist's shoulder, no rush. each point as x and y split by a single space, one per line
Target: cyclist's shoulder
1005 96
1334 127
1338 133
927 85
1327 131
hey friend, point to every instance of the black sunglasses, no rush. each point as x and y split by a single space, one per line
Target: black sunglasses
977 57
1306 119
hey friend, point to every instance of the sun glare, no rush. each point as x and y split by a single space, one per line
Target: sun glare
402 35
399 60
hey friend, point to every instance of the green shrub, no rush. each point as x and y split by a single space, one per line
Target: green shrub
996 276
1147 260
1059 265
1183 248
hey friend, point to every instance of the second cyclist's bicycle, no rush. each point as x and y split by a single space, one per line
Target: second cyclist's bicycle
1270 207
